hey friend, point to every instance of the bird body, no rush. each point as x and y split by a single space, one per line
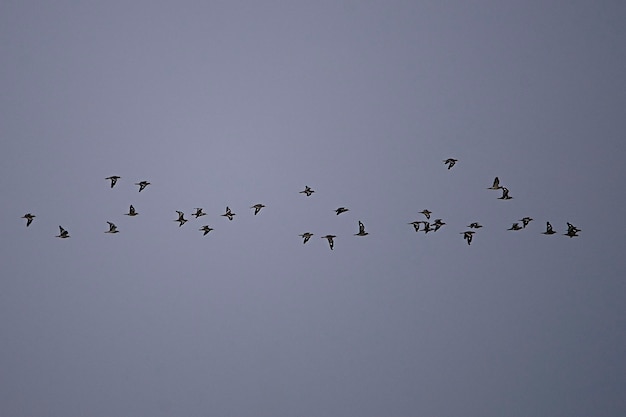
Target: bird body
331 242
112 228
505 194
426 213
113 179
307 190
181 218
142 185
198 212
228 213
306 236
206 229
362 231
450 162
475 225
515 226
549 230
63 234
257 208
341 210
131 211
467 235
29 218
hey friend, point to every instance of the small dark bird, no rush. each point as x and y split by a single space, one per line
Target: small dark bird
426 213
496 184
307 190
515 226
206 229
181 219
450 162
29 218
113 179
362 231
131 211
112 228
416 225
505 194
198 212
571 233
142 185
306 236
331 242
63 234
257 208
549 230
427 227
228 213
438 223
341 210
525 221
475 225
468 236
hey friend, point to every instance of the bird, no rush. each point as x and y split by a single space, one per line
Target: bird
198 212
331 242
228 213
257 208
29 218
496 184
63 234
131 211
467 235
450 162
307 190
515 226
341 210
572 231
505 194
112 228
549 230
181 219
113 179
525 221
427 227
416 225
475 225
362 231
426 213
572 227
206 229
142 185
306 236
438 223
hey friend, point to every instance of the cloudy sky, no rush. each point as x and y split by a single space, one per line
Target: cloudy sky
233 103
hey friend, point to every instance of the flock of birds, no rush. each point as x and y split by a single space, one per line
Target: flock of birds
419 225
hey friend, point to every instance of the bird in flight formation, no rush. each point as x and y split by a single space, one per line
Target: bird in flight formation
131 211
228 213
142 185
63 234
206 229
113 179
198 212
331 242
306 236
307 190
341 210
362 231
450 162
181 218
257 208
29 218
112 228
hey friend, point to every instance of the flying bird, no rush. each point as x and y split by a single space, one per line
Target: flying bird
468 236
181 219
416 225
505 194
475 225
142 185
331 242
198 212
426 213
549 230
206 229
257 208
525 221
515 226
112 228
362 231
450 162
341 210
113 179
306 236
427 227
63 234
438 223
29 218
131 211
307 190
496 184
228 213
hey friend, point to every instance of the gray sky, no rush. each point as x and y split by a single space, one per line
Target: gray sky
238 102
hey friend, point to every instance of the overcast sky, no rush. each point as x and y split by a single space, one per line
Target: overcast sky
233 103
